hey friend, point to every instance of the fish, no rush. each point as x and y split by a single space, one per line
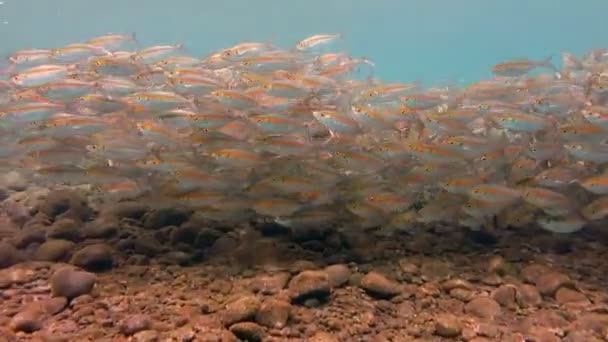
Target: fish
308 137
520 67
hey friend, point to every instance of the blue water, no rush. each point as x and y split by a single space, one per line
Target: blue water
431 40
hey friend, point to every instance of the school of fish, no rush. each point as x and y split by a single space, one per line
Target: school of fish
307 137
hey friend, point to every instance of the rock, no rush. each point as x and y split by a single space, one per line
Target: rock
13 180
435 270
378 285
447 325
9 255
531 273
242 309
483 307
548 283
270 284
15 275
134 324
53 250
565 295
323 337
29 235
505 296
146 244
545 318
309 284
69 283
148 336
456 283
94 257
166 217
184 233
28 320
66 229
55 305
248 331
596 322
176 258
527 296
338 275
273 313
101 228
131 210
497 264
66 203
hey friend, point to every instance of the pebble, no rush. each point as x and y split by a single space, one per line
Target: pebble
53 250
273 313
528 296
146 336
9 255
242 309
447 325
70 283
548 283
270 284
565 295
497 264
532 272
134 324
483 307
65 228
505 295
93 257
248 331
28 320
323 337
309 284
338 275
379 286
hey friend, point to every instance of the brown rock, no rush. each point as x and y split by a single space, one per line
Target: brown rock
323 337
53 250
548 283
242 309
531 273
28 320
94 257
248 331
483 307
338 274
134 324
270 284
378 285
69 283
544 318
8 255
456 283
65 229
565 295
596 322
497 264
309 284
527 296
505 296
273 313
447 325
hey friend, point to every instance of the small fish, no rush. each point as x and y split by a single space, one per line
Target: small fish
562 224
42 74
317 41
517 68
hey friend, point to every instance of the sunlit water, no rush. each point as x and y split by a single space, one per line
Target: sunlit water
436 41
